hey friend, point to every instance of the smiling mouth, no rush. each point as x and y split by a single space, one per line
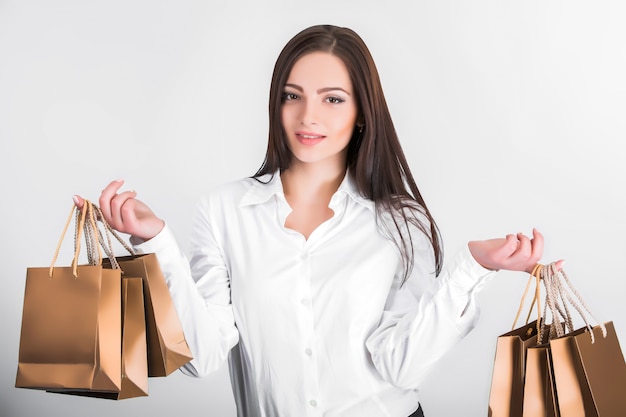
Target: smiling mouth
309 138
309 135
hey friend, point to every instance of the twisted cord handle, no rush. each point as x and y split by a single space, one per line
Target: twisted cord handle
110 231
107 245
86 220
92 236
559 294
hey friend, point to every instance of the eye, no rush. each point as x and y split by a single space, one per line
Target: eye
335 100
287 96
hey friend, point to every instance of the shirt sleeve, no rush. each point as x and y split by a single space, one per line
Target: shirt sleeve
423 322
200 290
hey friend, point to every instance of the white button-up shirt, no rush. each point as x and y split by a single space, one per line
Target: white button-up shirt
317 327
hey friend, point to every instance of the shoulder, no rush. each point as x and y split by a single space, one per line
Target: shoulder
242 192
228 194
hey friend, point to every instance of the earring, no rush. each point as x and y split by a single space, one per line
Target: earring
360 128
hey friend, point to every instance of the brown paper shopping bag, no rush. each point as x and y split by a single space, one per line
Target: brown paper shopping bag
134 368
167 348
539 392
588 363
507 383
506 396
590 376
539 388
71 334
134 349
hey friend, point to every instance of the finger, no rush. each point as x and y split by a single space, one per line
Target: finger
537 246
119 215
510 245
78 202
106 196
524 246
559 265
128 213
536 252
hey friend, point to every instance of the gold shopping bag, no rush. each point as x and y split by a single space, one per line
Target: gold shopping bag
134 369
70 335
588 367
167 348
519 353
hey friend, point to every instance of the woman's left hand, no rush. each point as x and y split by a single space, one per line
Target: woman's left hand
513 253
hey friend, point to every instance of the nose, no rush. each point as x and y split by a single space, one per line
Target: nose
309 113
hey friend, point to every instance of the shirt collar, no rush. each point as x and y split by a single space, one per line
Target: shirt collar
270 185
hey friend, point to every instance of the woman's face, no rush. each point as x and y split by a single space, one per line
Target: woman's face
319 109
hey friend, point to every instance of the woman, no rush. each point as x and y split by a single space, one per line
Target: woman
315 276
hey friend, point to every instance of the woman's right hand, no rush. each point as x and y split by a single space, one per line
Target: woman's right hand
125 213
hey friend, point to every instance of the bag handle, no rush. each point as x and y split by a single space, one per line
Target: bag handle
93 230
535 300
559 294
110 231
80 224
86 222
92 236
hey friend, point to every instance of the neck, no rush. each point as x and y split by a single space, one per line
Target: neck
312 181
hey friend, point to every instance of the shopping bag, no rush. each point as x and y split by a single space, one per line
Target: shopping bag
134 349
539 391
167 348
588 363
539 387
70 334
134 369
590 377
507 382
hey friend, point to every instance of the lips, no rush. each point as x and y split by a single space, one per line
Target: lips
309 138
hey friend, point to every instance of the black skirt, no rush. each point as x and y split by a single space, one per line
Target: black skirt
418 412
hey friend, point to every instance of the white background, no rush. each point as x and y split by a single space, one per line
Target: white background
511 114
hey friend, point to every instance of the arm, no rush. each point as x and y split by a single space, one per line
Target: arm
417 329
201 294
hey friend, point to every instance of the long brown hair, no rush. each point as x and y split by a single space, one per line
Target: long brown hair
375 158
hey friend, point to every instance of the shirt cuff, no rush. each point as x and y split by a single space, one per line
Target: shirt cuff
472 276
163 240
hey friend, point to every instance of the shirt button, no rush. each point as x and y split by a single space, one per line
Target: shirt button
304 301
313 403
308 352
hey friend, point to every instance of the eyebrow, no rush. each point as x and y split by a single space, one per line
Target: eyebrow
319 91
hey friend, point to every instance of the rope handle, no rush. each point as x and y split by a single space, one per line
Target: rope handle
560 293
87 220
110 231
92 236
80 223
93 229
535 300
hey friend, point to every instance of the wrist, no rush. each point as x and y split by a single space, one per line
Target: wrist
153 229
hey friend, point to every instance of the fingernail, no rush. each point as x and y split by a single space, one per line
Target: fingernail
76 199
